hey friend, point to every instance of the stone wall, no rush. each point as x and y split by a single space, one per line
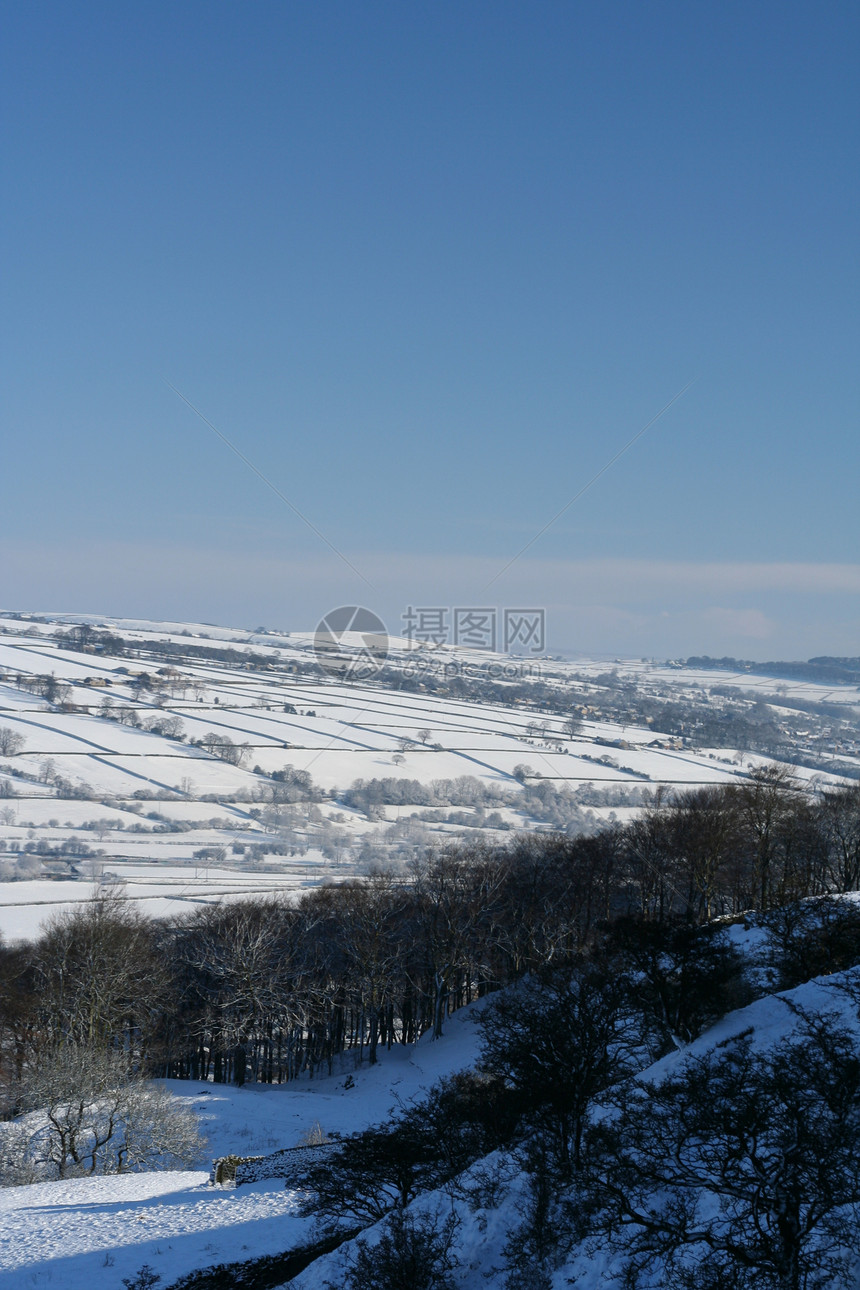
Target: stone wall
291 1164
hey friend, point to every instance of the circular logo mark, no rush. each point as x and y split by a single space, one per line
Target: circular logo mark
351 642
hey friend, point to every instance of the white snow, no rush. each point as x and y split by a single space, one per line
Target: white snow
92 1232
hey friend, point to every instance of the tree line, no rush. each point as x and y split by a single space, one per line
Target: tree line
269 990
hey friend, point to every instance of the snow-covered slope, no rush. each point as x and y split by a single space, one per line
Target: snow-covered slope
89 1233
482 1228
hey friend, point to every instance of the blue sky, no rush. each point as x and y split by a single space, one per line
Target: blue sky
429 266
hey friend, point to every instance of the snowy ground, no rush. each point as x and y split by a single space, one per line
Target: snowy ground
89 1233
93 1232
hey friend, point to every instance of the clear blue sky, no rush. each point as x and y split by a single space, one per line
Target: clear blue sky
430 265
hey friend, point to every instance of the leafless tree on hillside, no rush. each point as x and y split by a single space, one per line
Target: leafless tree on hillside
11 742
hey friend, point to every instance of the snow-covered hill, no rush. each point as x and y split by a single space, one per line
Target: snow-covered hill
113 769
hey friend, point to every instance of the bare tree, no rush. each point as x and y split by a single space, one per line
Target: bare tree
740 1162
103 827
223 746
414 1251
703 834
173 727
370 914
100 973
767 802
454 899
11 742
839 814
86 1112
560 1043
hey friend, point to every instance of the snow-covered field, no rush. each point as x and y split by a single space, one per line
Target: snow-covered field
340 731
159 891
89 794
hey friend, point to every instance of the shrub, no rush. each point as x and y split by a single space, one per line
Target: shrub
412 1251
